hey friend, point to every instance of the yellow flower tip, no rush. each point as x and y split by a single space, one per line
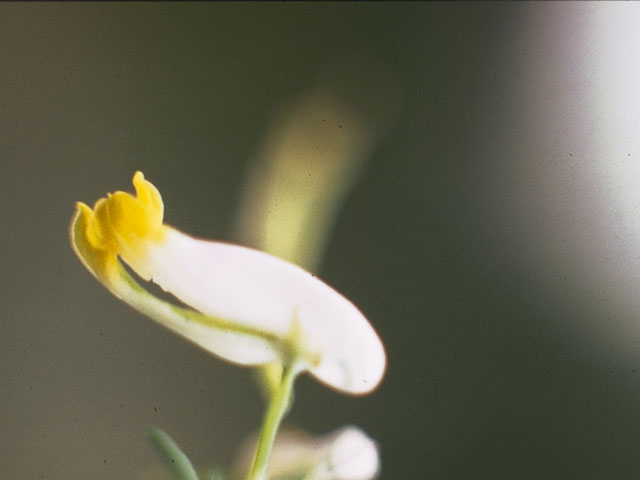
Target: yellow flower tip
119 225
136 220
148 194
86 241
82 207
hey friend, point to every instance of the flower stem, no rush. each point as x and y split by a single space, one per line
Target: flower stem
276 410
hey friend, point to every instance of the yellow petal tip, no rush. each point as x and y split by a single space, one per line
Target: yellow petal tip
119 224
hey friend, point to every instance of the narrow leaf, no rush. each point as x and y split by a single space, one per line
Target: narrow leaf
171 454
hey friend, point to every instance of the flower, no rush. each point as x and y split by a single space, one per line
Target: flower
346 454
243 305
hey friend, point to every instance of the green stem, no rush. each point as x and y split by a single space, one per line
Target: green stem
275 412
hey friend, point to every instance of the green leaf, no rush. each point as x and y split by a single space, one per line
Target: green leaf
169 451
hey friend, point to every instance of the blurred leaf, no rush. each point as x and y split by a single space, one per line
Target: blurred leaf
167 449
216 474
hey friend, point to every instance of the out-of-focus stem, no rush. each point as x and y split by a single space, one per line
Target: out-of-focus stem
273 416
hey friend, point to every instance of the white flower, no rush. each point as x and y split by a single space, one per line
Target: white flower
245 306
346 454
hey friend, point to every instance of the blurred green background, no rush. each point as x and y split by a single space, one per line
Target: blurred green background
485 236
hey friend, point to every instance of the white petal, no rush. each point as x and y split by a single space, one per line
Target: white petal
231 345
258 290
353 456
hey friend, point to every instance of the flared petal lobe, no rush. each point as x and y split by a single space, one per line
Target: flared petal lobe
271 309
